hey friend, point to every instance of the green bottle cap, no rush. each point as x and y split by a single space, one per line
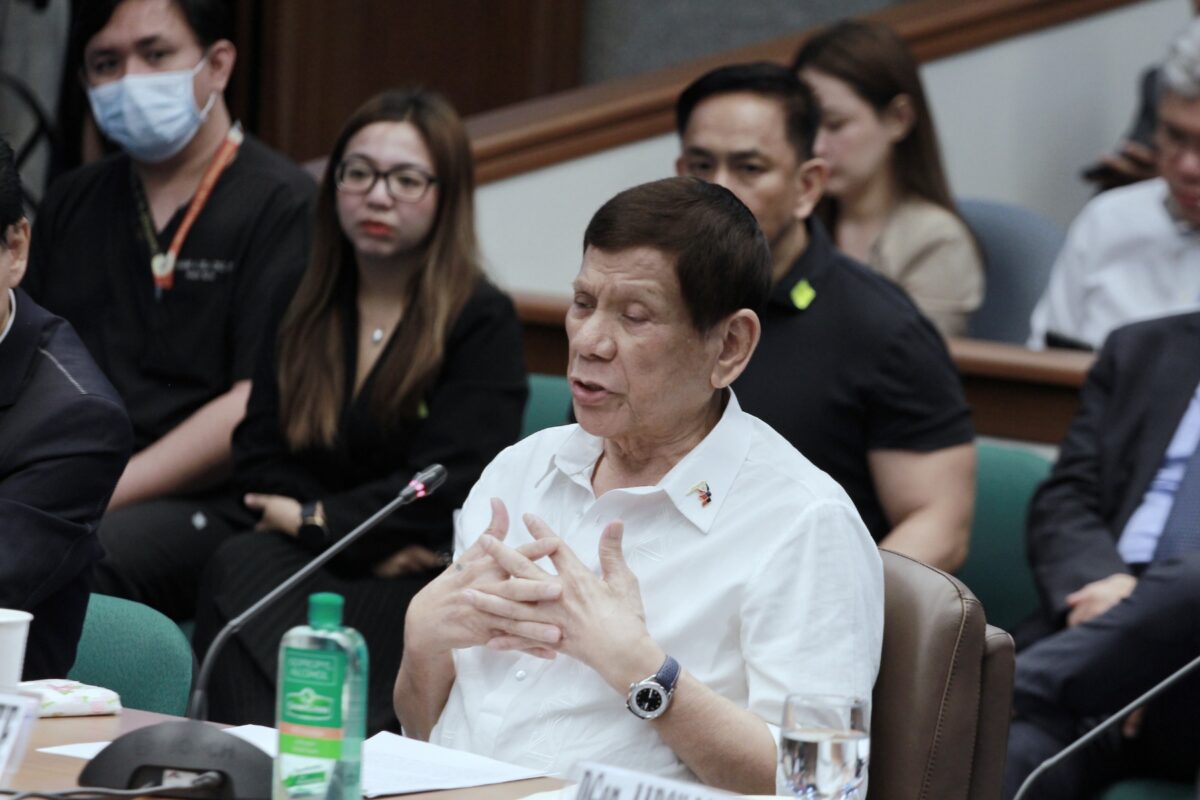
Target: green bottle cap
325 610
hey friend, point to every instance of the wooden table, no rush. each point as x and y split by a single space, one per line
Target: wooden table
45 772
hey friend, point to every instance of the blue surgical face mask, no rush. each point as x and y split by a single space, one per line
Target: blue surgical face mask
151 116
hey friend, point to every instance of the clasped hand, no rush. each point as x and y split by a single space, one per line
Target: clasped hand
498 596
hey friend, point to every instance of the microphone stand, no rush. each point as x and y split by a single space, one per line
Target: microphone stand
1087 738
191 747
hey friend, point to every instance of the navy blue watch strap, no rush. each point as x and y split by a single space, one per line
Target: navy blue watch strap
668 674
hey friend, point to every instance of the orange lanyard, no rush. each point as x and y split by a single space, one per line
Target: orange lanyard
162 265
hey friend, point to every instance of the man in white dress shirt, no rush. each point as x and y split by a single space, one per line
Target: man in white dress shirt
1134 253
670 555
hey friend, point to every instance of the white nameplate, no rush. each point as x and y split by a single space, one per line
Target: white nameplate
602 782
18 711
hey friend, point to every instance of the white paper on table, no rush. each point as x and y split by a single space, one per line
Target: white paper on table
86 750
262 737
396 765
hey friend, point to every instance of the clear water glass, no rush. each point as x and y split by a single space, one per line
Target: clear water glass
824 746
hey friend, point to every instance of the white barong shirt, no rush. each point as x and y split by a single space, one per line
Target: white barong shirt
773 586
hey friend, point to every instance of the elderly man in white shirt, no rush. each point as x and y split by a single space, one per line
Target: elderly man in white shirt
676 558
1134 253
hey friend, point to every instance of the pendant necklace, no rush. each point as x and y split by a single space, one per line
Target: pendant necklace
377 335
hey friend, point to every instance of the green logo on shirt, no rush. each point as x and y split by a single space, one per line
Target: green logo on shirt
803 294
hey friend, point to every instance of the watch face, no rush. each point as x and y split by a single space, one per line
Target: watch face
649 699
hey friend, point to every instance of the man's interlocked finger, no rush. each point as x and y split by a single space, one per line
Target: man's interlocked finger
511 561
522 590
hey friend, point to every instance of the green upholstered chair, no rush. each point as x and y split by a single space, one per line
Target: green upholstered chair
137 652
997 570
549 402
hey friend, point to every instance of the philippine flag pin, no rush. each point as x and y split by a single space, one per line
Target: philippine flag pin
702 490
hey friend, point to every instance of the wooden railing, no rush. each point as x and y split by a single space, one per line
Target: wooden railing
579 122
1014 393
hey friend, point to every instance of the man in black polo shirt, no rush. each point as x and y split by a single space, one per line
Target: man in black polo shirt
848 370
178 344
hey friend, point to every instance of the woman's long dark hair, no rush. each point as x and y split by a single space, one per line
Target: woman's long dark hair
311 342
874 62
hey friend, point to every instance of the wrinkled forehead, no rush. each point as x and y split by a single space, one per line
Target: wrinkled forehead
632 272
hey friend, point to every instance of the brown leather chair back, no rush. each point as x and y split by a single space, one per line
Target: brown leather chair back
941 703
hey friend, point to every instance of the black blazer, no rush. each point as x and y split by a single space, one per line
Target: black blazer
64 439
1133 400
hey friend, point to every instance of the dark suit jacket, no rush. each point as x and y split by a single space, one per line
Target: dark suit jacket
64 439
1132 403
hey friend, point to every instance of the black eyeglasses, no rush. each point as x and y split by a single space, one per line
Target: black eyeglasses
405 183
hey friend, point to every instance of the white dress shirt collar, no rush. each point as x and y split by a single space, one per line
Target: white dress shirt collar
712 463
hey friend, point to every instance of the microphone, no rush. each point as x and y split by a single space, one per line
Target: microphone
191 747
1087 738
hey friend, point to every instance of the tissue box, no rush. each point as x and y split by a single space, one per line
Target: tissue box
66 698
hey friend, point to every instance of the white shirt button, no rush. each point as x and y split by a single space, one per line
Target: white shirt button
520 675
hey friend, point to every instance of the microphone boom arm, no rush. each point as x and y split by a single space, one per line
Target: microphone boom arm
423 484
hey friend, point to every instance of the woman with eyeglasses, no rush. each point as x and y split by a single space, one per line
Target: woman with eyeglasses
394 352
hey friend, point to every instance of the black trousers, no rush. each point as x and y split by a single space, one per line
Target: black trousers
247 566
1069 682
155 551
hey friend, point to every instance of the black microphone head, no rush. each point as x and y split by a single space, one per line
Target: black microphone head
425 481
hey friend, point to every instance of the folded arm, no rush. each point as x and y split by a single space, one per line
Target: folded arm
929 499
195 453
57 479
1070 539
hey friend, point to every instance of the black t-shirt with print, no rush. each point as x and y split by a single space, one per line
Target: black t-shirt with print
169 355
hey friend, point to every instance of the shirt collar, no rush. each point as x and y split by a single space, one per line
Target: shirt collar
698 485
1182 224
12 315
812 267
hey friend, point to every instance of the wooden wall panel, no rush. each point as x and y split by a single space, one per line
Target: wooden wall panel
315 61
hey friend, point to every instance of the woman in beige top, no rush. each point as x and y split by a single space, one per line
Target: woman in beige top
887 202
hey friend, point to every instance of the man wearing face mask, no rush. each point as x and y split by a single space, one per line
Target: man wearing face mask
164 257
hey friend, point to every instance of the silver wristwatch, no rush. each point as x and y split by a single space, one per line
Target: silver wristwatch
650 697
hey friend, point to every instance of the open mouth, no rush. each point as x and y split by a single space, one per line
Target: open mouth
587 392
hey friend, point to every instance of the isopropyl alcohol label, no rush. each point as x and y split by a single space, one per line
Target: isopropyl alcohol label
310 724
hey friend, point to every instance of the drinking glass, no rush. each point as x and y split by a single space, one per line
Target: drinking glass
824 746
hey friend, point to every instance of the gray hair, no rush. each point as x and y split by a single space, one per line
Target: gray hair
1180 73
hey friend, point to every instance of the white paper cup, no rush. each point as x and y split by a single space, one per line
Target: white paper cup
14 629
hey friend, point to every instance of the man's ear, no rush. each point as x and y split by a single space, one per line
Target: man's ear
221 57
898 117
810 178
739 334
15 254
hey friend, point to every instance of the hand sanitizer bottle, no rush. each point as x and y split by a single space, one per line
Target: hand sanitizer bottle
321 707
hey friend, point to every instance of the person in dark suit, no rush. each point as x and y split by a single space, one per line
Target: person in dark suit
64 439
1114 541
